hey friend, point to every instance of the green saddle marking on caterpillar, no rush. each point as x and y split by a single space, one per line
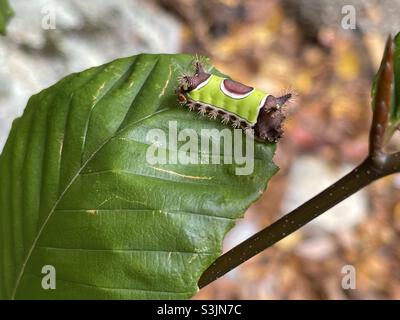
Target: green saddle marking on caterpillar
246 107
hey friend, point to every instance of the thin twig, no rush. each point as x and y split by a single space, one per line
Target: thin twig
357 179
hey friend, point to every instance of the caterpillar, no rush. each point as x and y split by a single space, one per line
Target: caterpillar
259 114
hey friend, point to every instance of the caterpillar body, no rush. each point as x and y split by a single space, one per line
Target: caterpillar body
257 113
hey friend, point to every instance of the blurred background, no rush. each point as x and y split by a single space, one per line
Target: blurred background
325 51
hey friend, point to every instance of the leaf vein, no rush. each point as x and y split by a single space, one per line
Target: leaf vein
147 210
125 250
112 87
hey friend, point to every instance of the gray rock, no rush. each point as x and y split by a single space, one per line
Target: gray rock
315 14
87 33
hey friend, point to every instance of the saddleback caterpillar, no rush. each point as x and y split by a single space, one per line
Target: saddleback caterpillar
260 115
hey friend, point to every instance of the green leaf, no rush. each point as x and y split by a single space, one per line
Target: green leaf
77 193
5 14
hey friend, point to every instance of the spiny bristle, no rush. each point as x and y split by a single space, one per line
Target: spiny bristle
196 59
213 114
204 62
182 79
293 94
202 110
236 123
225 118
191 106
182 71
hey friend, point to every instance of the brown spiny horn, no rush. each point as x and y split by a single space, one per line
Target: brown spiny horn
283 99
199 67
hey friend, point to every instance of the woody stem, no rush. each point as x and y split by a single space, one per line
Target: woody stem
367 172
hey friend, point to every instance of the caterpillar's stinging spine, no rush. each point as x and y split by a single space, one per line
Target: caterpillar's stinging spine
213 114
202 109
236 123
225 118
